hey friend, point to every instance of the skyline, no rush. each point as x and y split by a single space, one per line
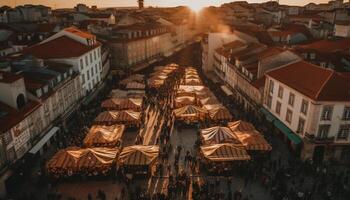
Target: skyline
131 3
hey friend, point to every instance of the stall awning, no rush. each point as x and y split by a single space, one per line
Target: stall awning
227 91
287 131
43 140
282 127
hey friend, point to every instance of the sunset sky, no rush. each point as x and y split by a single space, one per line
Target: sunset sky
122 3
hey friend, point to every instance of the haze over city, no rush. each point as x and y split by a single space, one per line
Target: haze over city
127 3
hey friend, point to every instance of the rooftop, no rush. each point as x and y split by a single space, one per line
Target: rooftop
313 81
62 47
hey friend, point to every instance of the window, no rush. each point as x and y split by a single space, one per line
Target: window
92 72
278 107
291 99
90 57
312 56
327 113
269 101
343 133
346 113
323 131
83 78
304 107
95 55
86 60
301 125
88 75
271 85
280 92
289 116
96 68
81 64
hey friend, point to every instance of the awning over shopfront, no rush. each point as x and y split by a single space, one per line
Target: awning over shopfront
283 128
227 91
43 140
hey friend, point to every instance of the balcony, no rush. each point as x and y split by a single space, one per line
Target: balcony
319 140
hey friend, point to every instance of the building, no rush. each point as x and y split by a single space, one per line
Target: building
25 13
242 67
327 53
37 99
138 45
342 29
304 102
74 47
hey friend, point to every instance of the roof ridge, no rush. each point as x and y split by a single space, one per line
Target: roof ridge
324 83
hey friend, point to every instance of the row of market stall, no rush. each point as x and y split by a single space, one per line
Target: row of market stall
195 103
225 144
102 152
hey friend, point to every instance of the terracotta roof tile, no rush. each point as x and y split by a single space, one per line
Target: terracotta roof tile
13 116
79 32
62 47
7 77
313 81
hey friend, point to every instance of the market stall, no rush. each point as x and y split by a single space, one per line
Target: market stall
128 117
184 101
82 162
240 126
220 115
138 159
122 104
218 134
253 141
104 136
223 158
190 114
135 86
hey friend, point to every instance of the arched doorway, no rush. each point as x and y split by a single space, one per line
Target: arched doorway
21 102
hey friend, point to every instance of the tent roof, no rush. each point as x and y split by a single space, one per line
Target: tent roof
118 116
209 100
189 110
122 103
218 134
220 113
241 126
104 135
138 155
224 152
135 85
76 158
253 140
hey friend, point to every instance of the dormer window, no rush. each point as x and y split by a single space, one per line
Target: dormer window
312 56
59 78
46 89
38 92
70 71
65 75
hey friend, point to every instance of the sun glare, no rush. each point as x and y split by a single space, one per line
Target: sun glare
196 6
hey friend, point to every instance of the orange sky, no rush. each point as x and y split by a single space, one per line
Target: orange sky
122 3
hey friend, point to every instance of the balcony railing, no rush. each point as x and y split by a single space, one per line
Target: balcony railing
318 139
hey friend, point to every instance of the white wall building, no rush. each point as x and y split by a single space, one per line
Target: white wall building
310 101
77 48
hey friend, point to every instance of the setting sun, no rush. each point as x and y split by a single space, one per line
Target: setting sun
196 6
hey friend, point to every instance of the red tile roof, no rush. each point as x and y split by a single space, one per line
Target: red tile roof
327 45
313 81
62 47
79 33
8 77
13 116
